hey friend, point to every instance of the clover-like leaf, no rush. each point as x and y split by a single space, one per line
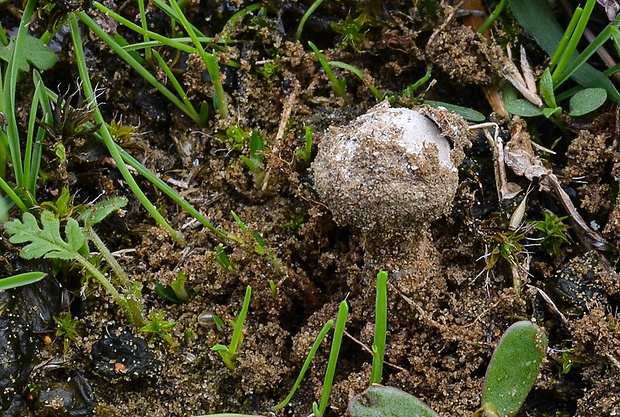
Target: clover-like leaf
46 241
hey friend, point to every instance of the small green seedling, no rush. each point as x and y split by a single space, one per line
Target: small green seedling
63 207
305 154
229 353
260 246
378 346
256 158
159 328
351 31
511 374
343 311
551 232
177 292
66 329
46 241
222 258
338 84
506 245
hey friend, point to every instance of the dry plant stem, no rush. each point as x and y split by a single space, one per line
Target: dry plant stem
504 190
588 237
522 81
286 116
554 309
520 157
423 315
369 350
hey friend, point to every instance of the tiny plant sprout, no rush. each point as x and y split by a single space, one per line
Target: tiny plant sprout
390 173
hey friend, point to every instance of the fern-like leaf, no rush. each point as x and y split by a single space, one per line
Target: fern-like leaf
46 241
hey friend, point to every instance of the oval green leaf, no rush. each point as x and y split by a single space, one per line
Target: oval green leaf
586 101
514 367
380 401
522 107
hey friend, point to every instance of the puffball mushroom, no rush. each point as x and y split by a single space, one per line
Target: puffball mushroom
391 171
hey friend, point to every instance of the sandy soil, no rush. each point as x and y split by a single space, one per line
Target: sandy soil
446 313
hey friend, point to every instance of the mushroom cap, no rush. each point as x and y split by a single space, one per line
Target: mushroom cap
390 169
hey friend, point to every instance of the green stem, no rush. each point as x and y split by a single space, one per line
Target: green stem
118 298
492 17
105 134
120 273
315 346
125 56
305 17
219 100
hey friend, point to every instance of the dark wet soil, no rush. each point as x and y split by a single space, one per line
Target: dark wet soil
446 312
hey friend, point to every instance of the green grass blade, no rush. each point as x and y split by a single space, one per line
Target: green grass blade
166 189
8 94
315 346
104 132
144 23
20 280
174 15
219 100
378 345
34 161
157 39
305 17
575 37
177 86
333 80
537 18
356 71
590 50
559 52
125 56
492 17
341 321
237 335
